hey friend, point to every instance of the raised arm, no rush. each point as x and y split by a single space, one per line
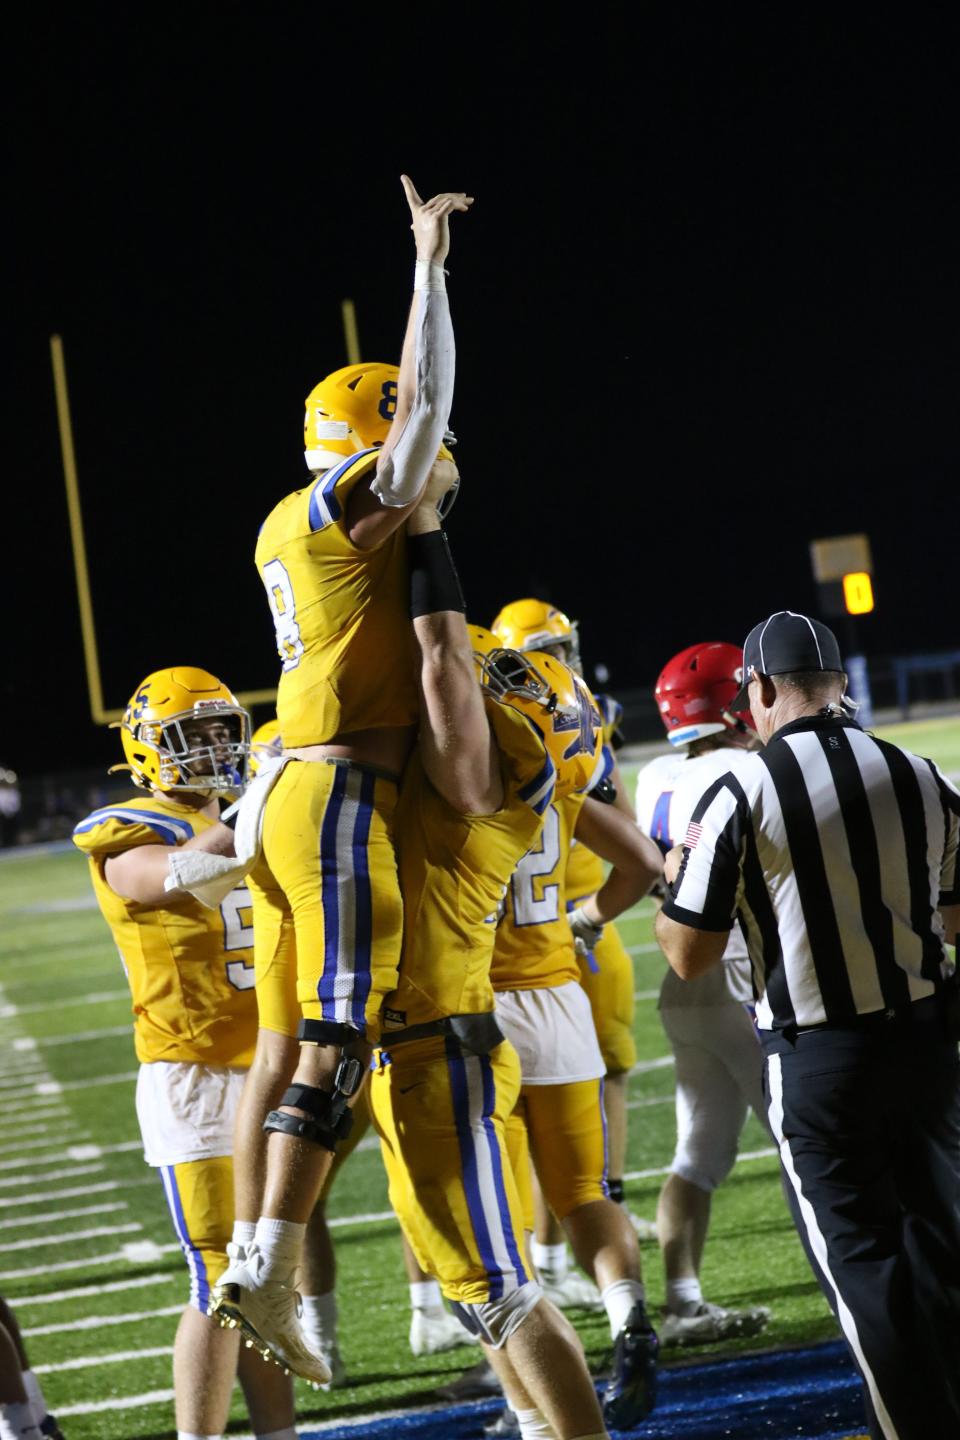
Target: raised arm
457 747
425 386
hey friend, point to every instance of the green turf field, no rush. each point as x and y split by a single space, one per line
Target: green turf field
87 1253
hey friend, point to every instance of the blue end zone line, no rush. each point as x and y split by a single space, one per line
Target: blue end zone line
808 1394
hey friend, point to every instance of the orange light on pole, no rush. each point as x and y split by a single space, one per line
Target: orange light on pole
858 593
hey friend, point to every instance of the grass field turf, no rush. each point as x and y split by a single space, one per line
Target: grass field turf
87 1253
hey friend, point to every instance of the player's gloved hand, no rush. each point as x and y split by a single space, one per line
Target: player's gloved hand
586 934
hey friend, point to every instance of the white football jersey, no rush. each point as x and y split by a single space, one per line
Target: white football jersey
668 790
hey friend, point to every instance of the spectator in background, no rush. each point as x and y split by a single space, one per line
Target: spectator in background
10 803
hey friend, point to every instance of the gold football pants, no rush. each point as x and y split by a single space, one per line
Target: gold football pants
327 911
441 1117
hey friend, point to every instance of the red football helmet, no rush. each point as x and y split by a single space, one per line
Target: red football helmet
694 691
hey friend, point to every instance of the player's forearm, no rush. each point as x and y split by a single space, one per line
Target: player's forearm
620 890
425 388
140 874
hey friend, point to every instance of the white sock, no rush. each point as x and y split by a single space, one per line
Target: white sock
319 1317
619 1299
16 1420
288 1434
533 1425
280 1242
191 1435
683 1296
425 1295
552 1261
243 1232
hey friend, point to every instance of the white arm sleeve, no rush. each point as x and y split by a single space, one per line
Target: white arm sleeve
402 474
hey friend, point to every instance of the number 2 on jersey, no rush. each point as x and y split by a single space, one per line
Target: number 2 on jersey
283 608
528 908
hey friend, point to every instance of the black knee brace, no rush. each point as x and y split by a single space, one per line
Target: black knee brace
330 1116
329 1119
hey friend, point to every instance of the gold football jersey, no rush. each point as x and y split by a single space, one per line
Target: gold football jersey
190 969
585 871
534 946
341 614
453 873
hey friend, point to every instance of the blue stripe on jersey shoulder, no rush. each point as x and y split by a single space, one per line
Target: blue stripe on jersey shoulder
325 508
170 829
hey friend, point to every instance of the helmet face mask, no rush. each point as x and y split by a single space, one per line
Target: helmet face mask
184 731
554 699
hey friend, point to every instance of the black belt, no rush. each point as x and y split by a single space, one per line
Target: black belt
477 1034
929 1009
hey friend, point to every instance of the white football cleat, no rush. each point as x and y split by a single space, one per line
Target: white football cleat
712 1322
268 1316
572 1290
433 1331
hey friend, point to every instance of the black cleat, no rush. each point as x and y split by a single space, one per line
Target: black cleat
631 1392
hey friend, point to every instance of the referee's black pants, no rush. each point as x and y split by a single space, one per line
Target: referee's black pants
868 1125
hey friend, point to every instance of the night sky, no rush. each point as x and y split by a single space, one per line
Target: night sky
706 308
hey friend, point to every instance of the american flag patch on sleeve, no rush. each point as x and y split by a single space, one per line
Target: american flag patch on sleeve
694 832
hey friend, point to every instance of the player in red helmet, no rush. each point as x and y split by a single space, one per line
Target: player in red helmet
717 1056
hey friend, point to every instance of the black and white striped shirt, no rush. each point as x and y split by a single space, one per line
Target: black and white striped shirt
834 851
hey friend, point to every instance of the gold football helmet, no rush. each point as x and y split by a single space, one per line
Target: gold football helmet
264 742
352 410
349 411
184 730
558 704
526 625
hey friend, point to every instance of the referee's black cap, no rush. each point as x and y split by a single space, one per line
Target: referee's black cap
784 642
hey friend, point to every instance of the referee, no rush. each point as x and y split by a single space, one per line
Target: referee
837 853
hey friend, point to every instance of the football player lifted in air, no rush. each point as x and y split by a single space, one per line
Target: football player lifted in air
190 968
327 908
491 758
718 1060
606 970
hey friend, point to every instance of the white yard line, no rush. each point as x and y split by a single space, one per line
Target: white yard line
75 1191
53 1216
73 1152
42 1007
665 1170
109 1033
56 1087
73 1173
643 1067
650 949
68 1237
19 1079
646 994
648 1104
38 1144
15 1122
99 1322
113 1257
112 1287
122 1402
119 1357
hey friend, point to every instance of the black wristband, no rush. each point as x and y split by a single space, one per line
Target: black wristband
434 582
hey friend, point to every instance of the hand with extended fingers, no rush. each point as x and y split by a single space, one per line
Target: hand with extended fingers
431 228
